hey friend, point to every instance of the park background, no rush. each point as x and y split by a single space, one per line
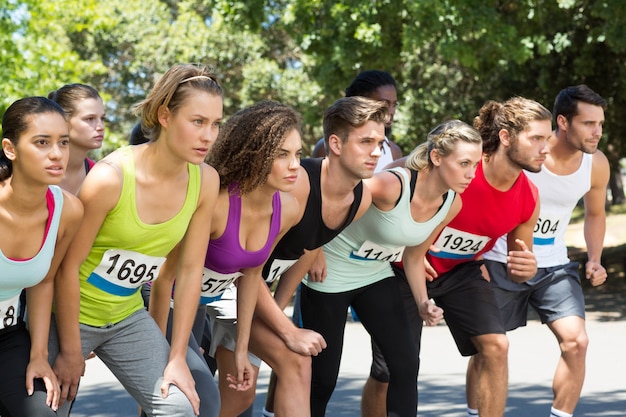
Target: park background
448 56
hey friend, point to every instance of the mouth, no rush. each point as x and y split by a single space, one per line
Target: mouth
291 178
55 169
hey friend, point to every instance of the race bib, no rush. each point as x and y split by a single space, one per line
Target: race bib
214 284
370 251
9 312
278 267
121 272
546 229
456 244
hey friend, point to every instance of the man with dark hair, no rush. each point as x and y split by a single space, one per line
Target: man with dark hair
573 169
377 85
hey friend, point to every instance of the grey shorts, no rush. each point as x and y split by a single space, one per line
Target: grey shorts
223 323
554 293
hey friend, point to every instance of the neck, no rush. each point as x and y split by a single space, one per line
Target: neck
499 171
18 196
335 181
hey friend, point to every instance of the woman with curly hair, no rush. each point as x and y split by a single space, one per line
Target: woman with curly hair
257 155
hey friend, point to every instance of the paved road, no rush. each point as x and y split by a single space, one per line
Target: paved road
532 359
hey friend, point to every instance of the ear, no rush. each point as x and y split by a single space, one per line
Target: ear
562 123
505 137
9 149
334 144
163 115
435 157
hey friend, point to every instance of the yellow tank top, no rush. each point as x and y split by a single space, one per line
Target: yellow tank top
128 252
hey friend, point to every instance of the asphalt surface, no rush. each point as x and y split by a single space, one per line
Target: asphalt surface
532 359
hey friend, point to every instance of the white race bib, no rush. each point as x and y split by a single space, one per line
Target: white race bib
456 244
9 312
370 251
546 229
278 267
214 284
121 272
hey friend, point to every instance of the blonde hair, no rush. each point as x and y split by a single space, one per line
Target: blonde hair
171 91
443 139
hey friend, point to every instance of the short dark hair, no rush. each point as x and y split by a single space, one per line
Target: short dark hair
566 102
367 82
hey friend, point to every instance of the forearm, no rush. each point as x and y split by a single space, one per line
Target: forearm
160 297
247 293
594 231
271 313
39 302
290 280
67 309
186 299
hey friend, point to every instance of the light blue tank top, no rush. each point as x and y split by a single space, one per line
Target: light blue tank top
360 255
15 275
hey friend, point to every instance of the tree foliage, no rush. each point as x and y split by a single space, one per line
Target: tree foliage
448 56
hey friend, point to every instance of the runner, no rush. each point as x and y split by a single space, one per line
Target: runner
140 202
37 223
500 199
86 117
410 206
574 169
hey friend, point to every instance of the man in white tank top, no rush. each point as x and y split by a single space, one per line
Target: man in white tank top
574 169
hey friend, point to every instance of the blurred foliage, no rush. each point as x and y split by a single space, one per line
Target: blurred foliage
448 56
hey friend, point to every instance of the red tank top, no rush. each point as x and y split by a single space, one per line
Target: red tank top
486 215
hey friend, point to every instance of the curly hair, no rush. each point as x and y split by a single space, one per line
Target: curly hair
514 116
443 139
249 142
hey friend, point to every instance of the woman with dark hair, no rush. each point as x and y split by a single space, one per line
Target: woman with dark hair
84 110
38 221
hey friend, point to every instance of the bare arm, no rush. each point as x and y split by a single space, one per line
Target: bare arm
188 283
291 278
521 263
39 301
161 289
99 194
595 219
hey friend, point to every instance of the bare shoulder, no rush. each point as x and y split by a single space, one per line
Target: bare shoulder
302 187
104 182
210 179
385 187
72 207
290 210
366 202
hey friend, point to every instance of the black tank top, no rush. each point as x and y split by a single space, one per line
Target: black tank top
311 232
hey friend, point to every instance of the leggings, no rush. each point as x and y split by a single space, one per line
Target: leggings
382 314
15 356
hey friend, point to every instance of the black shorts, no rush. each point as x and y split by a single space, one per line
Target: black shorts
469 304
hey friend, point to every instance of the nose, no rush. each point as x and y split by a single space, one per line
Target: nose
56 152
210 134
377 150
100 125
295 163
